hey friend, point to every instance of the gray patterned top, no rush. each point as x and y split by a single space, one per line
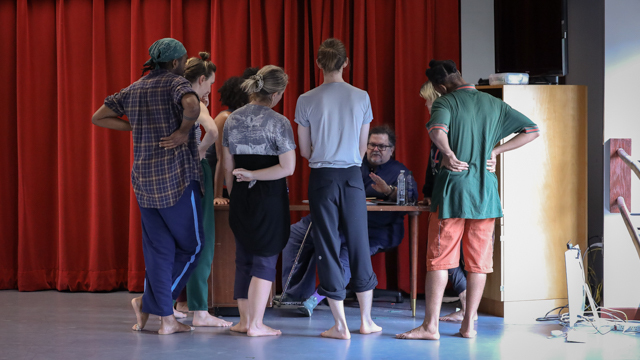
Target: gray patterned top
257 130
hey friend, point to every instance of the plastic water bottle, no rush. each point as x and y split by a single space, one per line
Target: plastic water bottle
401 200
409 189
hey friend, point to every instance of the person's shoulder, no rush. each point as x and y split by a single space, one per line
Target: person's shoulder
279 117
176 80
395 164
311 93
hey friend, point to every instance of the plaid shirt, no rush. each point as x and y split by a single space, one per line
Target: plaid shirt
153 105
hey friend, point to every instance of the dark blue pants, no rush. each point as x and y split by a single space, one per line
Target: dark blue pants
458 277
249 265
337 202
171 241
303 280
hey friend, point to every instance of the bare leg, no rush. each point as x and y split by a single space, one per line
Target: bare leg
141 317
243 325
339 330
169 325
458 315
178 314
475 288
368 326
259 290
203 318
182 306
434 290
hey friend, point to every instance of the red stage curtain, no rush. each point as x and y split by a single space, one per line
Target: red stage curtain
68 217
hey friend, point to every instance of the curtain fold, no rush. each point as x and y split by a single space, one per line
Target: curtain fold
68 216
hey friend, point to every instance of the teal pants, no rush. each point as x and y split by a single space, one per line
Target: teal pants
197 294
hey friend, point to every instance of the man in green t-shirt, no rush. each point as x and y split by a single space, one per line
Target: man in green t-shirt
465 125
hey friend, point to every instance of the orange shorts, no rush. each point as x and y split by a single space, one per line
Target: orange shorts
443 246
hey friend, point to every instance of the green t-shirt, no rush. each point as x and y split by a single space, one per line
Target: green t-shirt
474 123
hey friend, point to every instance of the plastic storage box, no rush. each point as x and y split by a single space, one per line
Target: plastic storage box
509 79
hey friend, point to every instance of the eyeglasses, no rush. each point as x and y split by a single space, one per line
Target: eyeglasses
380 147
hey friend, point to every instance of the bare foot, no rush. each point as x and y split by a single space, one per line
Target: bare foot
467 331
455 316
182 306
141 317
262 330
203 318
468 334
369 328
338 333
170 325
419 333
239 327
178 314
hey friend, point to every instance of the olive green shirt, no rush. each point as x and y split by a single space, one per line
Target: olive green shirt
474 123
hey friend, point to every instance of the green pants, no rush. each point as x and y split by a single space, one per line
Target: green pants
197 294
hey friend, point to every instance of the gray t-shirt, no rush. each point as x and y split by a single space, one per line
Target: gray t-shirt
336 113
257 130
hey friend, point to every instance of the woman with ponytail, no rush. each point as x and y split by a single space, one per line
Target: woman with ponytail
233 97
258 155
201 74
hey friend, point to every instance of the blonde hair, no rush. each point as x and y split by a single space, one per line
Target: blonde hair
270 79
428 92
331 55
197 67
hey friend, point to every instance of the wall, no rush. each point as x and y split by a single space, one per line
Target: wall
621 120
476 39
586 67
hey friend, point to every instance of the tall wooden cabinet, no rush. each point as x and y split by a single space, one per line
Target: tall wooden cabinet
543 188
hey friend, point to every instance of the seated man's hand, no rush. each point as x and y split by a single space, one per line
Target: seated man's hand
379 185
426 202
451 162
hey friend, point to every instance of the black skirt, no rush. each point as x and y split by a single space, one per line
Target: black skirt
259 215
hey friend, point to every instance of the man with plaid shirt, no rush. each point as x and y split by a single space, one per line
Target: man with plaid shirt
162 109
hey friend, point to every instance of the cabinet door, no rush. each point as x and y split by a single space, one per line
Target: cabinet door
544 192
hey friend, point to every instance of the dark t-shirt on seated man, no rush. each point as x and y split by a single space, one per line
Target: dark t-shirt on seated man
386 228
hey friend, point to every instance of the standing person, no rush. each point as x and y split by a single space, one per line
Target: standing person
259 151
334 123
465 124
457 277
233 97
201 74
386 229
162 108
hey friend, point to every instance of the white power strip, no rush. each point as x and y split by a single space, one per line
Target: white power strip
627 327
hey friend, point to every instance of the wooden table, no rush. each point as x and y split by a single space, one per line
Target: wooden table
223 267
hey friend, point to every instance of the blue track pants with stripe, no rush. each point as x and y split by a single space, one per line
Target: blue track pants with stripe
171 241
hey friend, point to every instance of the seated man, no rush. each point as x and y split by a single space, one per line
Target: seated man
386 229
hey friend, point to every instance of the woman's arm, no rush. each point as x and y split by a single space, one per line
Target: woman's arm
228 163
285 168
364 137
304 141
211 129
219 175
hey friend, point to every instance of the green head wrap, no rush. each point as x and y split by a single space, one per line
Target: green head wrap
164 50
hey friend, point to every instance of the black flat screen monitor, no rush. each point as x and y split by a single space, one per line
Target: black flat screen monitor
531 37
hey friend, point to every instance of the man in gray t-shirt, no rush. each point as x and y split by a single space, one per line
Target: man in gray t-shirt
337 100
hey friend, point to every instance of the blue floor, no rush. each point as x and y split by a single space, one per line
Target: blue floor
56 325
